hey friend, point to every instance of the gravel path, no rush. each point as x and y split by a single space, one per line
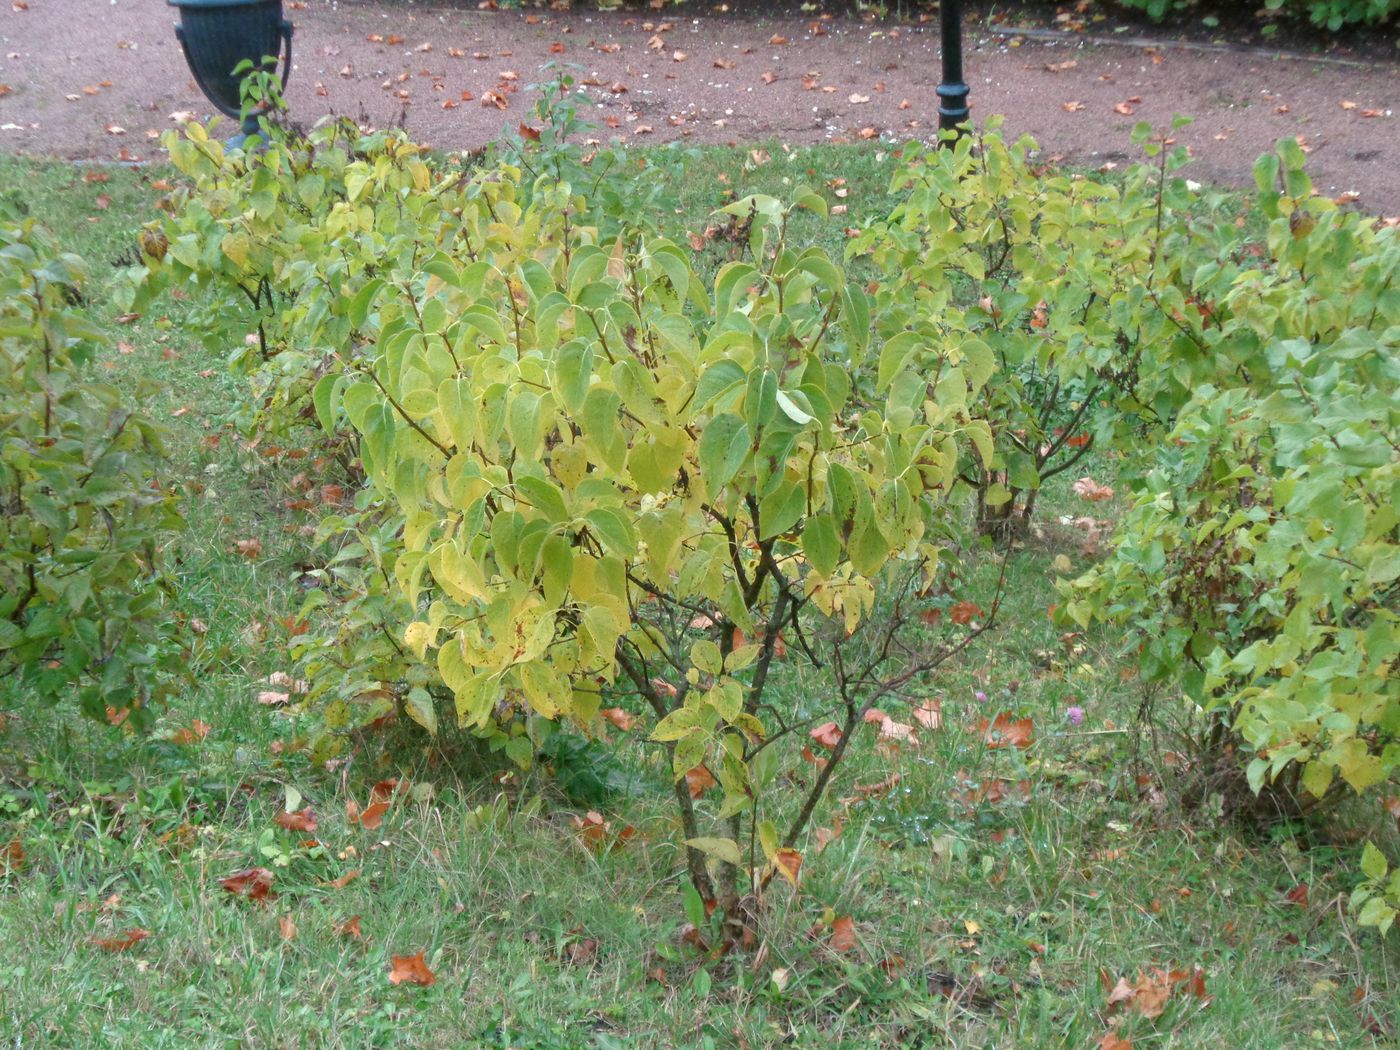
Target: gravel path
94 79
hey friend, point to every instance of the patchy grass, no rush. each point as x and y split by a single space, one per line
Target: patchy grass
992 890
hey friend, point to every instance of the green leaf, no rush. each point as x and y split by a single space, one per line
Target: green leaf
418 705
1373 862
724 445
726 850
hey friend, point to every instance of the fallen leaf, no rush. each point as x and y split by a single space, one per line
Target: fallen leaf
124 941
724 63
929 714
253 883
345 880
1111 1041
769 77
777 41
249 548
964 612
1124 109
859 99
302 820
1006 731
350 928
528 133
373 816
115 129
196 732
1089 489
843 934
1348 104
1072 107
788 862
1061 67
699 780
1298 895
411 969
828 735
624 720
287 927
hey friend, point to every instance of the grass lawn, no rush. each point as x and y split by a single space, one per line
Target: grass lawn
997 894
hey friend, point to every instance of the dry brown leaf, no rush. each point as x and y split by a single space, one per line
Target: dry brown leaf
1072 107
843 934
287 927
699 780
253 883
788 863
1124 109
124 941
302 820
411 969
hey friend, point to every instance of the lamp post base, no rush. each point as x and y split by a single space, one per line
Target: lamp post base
249 129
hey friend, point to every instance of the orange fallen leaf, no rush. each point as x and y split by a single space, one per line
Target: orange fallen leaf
1072 107
1124 109
1006 731
287 927
124 941
411 969
843 934
788 862
372 818
350 928
345 880
828 735
699 780
624 720
302 820
929 714
253 883
196 732
964 612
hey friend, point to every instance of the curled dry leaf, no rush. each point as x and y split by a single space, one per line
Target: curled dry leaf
411 969
350 928
1072 107
124 941
828 735
253 883
302 820
699 780
929 714
843 934
1091 490
1124 109
287 927
724 63
788 863
964 612
624 720
1006 731
196 732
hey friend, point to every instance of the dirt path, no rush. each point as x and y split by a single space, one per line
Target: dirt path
97 80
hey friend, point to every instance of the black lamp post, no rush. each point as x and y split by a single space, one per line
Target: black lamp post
217 35
952 93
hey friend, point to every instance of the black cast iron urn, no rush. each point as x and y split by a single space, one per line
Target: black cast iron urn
217 35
